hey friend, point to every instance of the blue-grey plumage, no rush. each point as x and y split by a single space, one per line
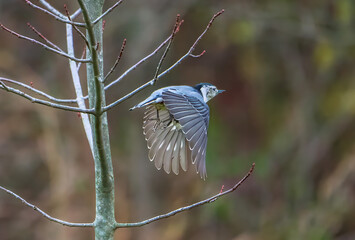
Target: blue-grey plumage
175 126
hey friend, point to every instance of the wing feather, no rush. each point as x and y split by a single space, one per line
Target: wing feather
183 154
168 155
193 115
176 132
154 137
176 152
159 157
163 141
158 142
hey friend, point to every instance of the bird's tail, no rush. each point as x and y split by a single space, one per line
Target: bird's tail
132 108
142 104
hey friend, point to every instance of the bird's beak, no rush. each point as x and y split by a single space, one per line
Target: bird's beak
220 91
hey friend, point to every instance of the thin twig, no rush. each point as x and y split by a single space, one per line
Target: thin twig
199 55
172 213
107 12
147 84
138 63
38 91
43 102
43 37
44 214
4 86
175 30
43 45
192 48
82 35
53 12
117 60
203 33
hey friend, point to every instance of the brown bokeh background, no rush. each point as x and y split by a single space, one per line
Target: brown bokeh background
288 68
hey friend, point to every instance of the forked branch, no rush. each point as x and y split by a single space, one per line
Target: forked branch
43 102
44 214
82 35
107 12
138 63
53 12
37 91
189 53
203 33
62 53
175 30
43 37
172 213
117 60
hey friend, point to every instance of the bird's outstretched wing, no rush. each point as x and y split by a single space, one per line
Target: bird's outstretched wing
193 116
166 142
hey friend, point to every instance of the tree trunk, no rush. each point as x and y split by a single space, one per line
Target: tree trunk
104 179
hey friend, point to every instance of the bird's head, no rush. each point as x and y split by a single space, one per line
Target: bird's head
208 91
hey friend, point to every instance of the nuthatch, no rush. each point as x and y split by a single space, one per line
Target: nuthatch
175 126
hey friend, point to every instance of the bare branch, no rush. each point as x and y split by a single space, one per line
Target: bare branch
175 30
107 12
43 45
82 35
3 86
53 12
138 63
189 53
147 84
199 55
49 7
43 102
38 91
117 60
74 15
56 220
59 14
204 32
172 213
43 37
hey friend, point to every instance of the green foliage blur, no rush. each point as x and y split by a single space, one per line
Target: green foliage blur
288 68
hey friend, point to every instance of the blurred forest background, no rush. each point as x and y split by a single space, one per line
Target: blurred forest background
288 68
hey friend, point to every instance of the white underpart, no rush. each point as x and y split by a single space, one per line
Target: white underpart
204 91
208 93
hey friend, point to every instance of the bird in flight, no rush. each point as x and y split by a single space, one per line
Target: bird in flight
175 126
